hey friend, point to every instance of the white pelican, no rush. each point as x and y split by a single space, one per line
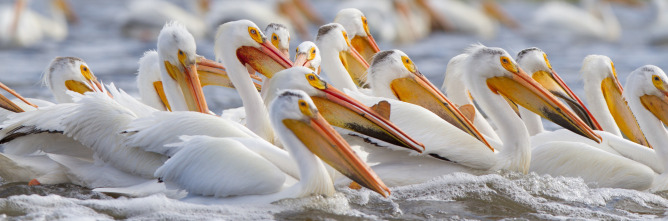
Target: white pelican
339 57
25 146
492 75
204 162
63 74
280 37
534 61
23 27
357 27
308 55
479 19
70 74
604 95
144 19
594 20
176 50
646 92
455 89
241 43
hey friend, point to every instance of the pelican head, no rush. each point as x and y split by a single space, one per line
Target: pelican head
333 42
535 62
600 76
176 51
70 74
150 86
300 126
354 21
502 75
251 47
308 55
338 108
280 37
394 75
650 84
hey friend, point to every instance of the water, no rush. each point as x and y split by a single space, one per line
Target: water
113 58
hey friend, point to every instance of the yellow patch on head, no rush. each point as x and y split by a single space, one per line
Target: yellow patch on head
408 63
366 25
274 40
255 34
345 36
85 71
315 81
305 108
659 83
508 65
311 55
547 61
182 57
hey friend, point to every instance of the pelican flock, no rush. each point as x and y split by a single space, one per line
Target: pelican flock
343 114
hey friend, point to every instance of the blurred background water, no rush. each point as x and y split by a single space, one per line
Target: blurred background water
113 58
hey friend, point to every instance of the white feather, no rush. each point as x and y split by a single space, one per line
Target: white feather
220 167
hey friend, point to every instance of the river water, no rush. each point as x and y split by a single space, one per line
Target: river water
113 58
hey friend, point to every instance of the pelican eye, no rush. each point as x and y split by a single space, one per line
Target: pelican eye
345 36
305 108
85 71
297 50
312 55
315 81
509 66
274 40
182 57
365 25
659 83
408 64
255 34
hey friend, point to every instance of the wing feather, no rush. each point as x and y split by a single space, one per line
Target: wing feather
220 167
